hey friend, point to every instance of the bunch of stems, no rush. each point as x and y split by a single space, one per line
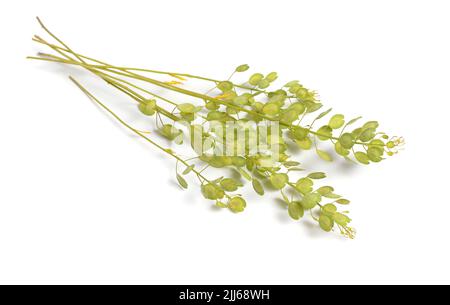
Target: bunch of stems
128 81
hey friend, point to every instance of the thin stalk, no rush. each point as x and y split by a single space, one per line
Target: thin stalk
106 65
167 151
140 99
57 39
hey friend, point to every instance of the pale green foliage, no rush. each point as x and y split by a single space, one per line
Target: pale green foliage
212 191
310 200
326 223
225 86
293 106
343 201
318 175
148 107
242 68
337 121
362 157
325 190
295 210
257 186
182 182
271 109
304 185
237 204
255 79
230 184
324 155
347 140
279 180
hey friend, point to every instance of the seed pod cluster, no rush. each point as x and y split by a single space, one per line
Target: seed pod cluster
295 110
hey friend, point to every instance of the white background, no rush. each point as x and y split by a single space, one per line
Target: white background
83 201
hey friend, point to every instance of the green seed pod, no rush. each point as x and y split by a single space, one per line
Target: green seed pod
331 196
237 204
220 161
305 144
295 210
325 190
325 133
250 164
169 132
230 185
341 219
304 185
298 133
343 201
377 143
257 186
271 109
148 107
188 116
244 174
216 116
283 157
241 100
291 84
232 110
225 86
255 79
362 157
337 121
347 140
258 106
263 84
367 135
211 106
375 154
324 155
317 175
299 91
291 163
213 192
312 106
310 200
222 205
341 150
329 209
271 77
278 99
186 108
298 107
323 114
182 182
390 144
279 181
288 117
242 68
277 92
371 124
238 161
356 132
326 223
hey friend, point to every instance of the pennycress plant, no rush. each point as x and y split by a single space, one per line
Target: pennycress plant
295 110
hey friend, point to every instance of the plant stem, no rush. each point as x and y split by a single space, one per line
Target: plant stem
105 65
167 151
